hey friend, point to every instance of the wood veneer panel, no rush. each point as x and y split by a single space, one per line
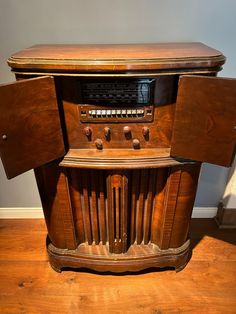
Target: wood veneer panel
117 57
148 207
143 186
205 120
158 205
54 192
169 206
30 126
75 196
184 204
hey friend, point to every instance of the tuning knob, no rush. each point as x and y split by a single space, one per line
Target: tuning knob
88 131
107 133
136 143
145 131
98 143
127 131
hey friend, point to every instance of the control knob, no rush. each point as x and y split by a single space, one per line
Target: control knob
127 132
107 133
88 131
136 143
145 131
99 144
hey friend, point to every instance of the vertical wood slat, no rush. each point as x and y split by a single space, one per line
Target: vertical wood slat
171 195
88 199
117 209
75 194
93 206
158 204
124 212
148 205
134 199
117 189
140 205
102 209
154 194
110 211
86 207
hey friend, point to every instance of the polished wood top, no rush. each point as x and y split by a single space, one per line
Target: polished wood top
117 57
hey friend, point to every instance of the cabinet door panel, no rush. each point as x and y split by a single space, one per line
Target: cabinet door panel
30 129
205 120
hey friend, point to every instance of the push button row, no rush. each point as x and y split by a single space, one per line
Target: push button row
100 113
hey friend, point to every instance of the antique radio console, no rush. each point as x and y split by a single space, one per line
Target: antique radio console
116 135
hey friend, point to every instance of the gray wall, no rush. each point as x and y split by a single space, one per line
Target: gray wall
27 22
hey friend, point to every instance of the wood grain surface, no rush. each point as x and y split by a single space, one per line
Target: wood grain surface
120 57
205 120
29 285
30 128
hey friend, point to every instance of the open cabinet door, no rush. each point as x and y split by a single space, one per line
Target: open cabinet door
205 120
30 129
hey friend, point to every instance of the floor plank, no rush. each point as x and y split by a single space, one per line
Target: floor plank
29 285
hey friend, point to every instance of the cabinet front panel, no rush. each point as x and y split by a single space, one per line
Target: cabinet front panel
30 128
205 120
132 207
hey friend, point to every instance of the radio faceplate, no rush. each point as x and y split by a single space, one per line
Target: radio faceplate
116 123
101 114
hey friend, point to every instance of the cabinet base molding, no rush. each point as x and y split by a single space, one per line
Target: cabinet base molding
138 257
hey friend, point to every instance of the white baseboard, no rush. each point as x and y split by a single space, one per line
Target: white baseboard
37 212
21 212
204 212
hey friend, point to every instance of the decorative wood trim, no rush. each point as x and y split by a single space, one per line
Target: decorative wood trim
198 71
129 159
117 59
117 189
134 63
146 256
111 58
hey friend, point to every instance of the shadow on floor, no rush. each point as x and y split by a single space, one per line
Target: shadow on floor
199 228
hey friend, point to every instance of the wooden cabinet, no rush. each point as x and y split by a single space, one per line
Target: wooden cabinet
116 135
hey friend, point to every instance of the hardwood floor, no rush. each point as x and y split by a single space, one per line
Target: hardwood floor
29 285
